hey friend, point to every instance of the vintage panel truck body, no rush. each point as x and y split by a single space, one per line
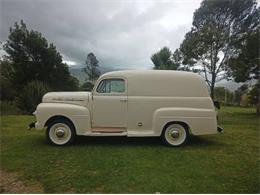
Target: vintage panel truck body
170 104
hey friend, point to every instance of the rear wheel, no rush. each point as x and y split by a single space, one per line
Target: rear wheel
175 134
60 132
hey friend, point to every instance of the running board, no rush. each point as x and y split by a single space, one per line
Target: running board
108 130
105 134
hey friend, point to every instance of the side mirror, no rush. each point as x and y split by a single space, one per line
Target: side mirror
216 104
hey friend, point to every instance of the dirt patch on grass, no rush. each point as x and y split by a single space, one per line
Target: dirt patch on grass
99 190
11 185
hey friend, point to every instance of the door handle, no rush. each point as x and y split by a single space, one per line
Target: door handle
123 100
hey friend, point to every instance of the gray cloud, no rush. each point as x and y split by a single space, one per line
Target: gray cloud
122 34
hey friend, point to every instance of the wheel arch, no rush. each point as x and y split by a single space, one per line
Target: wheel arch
184 124
58 117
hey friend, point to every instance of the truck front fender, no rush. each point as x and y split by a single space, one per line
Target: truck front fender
78 115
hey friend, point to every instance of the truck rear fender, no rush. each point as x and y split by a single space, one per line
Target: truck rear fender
199 121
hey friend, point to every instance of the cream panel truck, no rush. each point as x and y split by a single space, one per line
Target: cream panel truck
168 104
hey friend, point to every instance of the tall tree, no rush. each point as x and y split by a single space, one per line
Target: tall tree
246 65
32 58
163 60
91 68
217 27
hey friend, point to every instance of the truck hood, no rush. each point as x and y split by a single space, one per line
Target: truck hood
77 98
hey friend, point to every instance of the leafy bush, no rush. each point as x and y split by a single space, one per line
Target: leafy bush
9 108
7 89
31 96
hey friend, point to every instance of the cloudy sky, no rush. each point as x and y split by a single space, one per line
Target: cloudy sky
122 34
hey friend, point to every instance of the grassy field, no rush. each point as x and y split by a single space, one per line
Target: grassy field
223 163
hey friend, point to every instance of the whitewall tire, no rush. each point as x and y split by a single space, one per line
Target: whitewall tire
175 134
60 132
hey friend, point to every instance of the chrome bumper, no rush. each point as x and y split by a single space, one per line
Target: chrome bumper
31 125
220 129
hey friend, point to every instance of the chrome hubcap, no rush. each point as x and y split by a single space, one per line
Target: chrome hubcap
175 134
60 133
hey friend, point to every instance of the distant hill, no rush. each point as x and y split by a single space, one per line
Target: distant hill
230 85
77 71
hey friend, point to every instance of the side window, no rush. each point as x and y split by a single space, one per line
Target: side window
117 86
111 86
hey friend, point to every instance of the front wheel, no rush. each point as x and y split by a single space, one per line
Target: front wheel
60 132
175 135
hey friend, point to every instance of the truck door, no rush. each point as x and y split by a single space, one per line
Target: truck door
110 103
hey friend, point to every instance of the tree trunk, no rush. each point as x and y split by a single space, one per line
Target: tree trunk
212 94
212 86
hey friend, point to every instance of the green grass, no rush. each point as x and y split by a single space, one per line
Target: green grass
223 163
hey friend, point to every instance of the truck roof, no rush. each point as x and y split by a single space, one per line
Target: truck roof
131 73
162 83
